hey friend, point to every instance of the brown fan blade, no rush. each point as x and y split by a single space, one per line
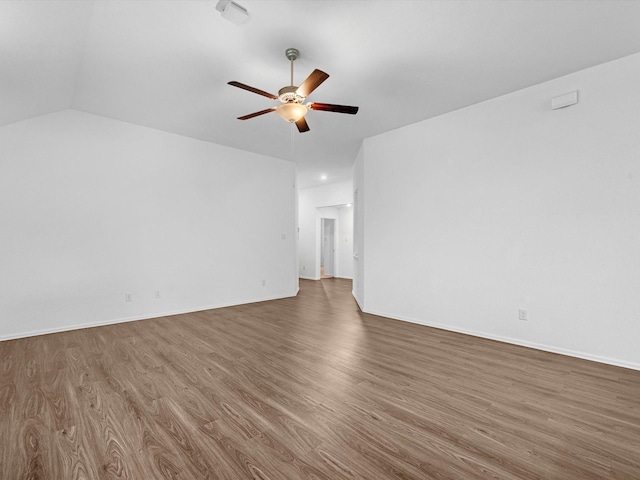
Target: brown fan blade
302 125
312 82
255 114
254 90
327 107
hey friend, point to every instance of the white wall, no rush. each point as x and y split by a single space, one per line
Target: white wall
92 208
310 199
508 205
344 242
358 228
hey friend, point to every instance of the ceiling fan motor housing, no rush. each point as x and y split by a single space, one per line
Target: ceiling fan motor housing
289 94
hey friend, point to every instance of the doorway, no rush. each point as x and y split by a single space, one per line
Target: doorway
328 248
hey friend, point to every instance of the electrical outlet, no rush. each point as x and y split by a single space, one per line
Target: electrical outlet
522 315
264 283
127 297
157 293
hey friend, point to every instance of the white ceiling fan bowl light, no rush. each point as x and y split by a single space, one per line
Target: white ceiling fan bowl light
292 112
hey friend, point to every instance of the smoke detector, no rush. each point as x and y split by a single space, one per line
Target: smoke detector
232 11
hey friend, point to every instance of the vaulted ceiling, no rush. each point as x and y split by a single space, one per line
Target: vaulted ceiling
165 64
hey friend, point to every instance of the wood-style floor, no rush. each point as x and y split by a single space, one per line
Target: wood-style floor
307 388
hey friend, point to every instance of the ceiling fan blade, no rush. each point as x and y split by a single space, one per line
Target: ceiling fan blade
256 114
312 82
328 107
254 90
302 125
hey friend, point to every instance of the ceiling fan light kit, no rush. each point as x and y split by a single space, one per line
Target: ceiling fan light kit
292 112
292 107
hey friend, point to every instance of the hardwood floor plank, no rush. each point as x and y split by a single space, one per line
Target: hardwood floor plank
307 388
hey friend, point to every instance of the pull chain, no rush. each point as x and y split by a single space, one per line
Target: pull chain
292 140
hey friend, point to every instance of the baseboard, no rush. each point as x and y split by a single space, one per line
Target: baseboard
512 341
68 328
309 278
345 278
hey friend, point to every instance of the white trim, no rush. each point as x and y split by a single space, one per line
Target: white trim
68 328
353 292
545 348
309 278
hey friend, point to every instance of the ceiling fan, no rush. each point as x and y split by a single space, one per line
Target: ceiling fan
292 107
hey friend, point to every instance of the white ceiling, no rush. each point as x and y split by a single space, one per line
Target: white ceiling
165 64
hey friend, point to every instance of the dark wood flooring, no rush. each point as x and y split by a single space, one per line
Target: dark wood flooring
307 388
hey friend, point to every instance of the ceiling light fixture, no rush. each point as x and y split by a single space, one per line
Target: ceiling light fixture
232 11
292 112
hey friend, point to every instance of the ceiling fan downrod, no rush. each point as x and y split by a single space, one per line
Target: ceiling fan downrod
289 94
292 54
